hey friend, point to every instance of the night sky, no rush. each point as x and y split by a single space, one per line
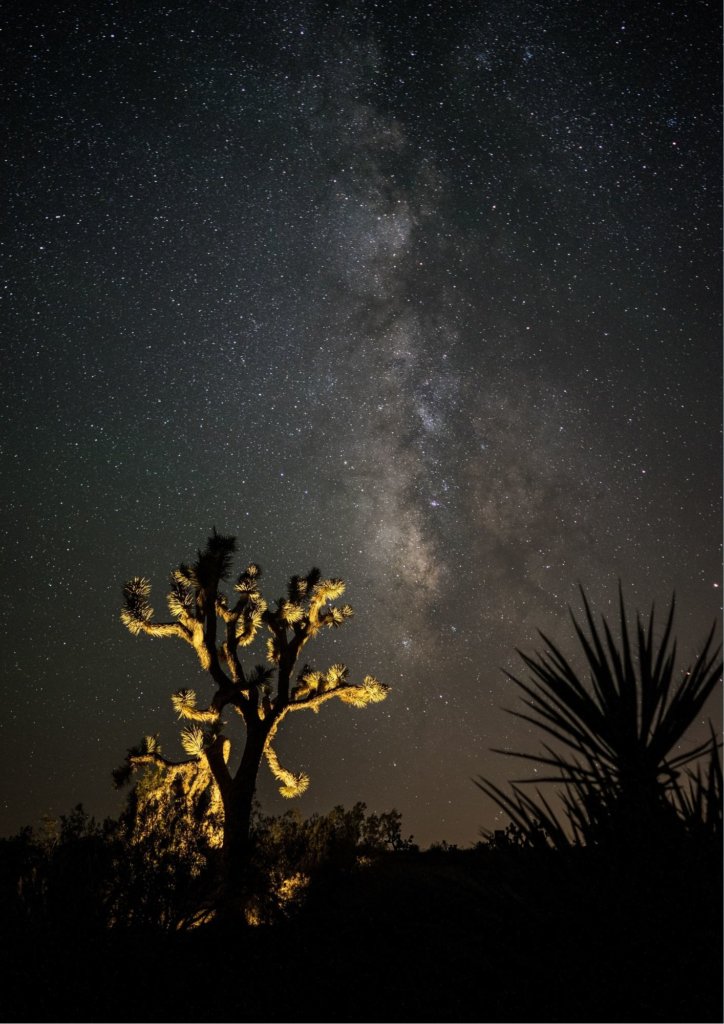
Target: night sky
425 294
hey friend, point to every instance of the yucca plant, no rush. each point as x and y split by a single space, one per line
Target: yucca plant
698 797
616 731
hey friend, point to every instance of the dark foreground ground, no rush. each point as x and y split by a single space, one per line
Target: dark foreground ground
449 936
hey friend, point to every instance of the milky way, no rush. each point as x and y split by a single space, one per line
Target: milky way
425 294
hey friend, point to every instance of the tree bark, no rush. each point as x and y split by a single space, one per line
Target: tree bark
237 882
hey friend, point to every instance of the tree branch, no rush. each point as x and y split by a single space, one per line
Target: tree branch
135 760
137 626
217 756
370 691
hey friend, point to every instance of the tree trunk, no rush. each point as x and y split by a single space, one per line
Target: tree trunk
238 888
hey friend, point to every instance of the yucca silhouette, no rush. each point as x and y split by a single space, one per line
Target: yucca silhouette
616 734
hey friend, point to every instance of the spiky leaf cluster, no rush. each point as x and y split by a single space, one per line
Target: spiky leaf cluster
370 691
311 682
305 612
248 623
328 590
290 612
180 598
633 713
249 578
308 682
184 702
137 611
214 562
193 740
247 585
186 579
300 587
616 731
295 785
335 617
250 606
698 795
335 675
260 677
291 785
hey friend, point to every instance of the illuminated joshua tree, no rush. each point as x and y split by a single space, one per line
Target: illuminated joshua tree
261 696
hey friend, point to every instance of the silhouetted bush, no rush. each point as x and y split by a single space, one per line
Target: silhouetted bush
615 730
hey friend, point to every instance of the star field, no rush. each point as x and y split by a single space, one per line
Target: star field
427 295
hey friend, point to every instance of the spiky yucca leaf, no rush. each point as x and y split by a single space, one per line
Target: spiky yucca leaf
332 617
186 576
335 675
248 625
312 579
247 584
184 702
370 691
290 612
182 577
633 712
137 612
328 590
292 785
616 729
308 684
272 650
214 562
297 588
261 675
150 745
698 795
538 824
193 740
180 605
375 690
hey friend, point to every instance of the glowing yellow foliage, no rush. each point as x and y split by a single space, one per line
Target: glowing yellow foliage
184 701
248 625
192 740
290 612
292 785
133 622
328 590
371 691
335 675
292 887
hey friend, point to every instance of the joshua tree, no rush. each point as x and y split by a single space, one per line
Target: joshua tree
616 734
262 696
